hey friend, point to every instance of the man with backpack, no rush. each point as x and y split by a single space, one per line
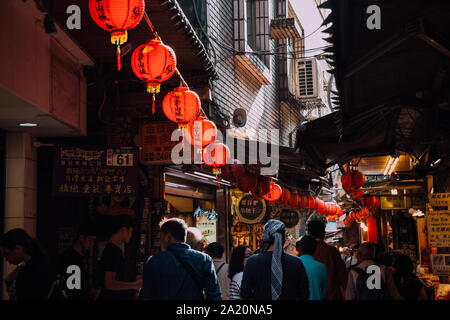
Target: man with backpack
368 281
179 272
215 250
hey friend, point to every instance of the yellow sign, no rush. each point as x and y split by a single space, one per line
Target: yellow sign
393 202
156 142
440 200
438 224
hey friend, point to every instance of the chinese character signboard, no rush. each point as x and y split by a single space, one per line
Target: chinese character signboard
251 209
90 171
438 223
440 201
156 142
440 264
208 229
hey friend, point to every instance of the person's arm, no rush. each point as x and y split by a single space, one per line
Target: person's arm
303 285
212 287
112 284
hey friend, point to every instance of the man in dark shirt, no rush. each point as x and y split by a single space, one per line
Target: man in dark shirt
112 265
274 274
76 255
179 272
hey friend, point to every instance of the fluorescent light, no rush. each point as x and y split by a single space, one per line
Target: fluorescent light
28 124
390 165
201 174
394 191
436 162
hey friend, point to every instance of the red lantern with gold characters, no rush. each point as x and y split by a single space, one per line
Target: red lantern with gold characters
201 132
247 181
153 63
352 180
117 16
181 106
274 193
216 155
232 172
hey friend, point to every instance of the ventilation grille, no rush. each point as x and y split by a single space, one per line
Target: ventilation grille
306 78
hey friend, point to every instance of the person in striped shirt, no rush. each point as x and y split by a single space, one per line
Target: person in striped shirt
238 260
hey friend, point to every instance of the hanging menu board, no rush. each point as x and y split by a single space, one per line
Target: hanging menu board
156 142
95 171
440 201
438 224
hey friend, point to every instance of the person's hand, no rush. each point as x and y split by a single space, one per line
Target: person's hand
138 285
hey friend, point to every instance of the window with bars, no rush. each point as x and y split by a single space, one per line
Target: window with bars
306 78
251 27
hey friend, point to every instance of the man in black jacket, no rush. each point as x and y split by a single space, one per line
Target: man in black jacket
273 274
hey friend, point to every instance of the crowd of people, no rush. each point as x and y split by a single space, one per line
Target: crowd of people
186 270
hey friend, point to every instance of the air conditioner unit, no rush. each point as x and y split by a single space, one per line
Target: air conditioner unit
311 81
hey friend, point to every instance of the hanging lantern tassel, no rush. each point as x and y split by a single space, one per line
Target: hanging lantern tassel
153 105
118 38
119 65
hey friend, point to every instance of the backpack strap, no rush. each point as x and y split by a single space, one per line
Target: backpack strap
190 271
358 270
223 263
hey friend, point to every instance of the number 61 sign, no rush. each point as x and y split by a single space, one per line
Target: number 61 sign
120 158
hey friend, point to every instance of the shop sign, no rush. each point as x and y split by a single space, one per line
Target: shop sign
438 224
156 142
440 201
251 209
393 202
289 217
440 264
95 171
208 228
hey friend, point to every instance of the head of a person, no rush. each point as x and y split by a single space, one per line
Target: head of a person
366 251
307 245
384 259
122 227
355 250
17 246
172 231
86 237
271 229
215 250
316 229
403 265
194 238
239 257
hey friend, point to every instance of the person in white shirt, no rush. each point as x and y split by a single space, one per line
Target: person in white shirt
215 251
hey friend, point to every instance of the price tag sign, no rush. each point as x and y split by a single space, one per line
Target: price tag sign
122 158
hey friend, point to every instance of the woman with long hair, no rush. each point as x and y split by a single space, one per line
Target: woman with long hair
238 260
408 284
32 277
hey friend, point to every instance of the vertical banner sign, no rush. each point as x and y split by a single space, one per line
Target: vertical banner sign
438 224
208 229
156 142
95 171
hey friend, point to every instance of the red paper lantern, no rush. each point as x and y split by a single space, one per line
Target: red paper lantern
117 16
202 131
332 209
285 197
262 187
294 200
153 63
340 211
216 155
274 193
371 201
247 181
352 180
181 105
319 205
233 171
308 202
357 194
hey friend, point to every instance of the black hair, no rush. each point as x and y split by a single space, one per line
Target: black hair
403 265
215 250
316 228
176 227
237 260
19 237
120 221
308 245
384 259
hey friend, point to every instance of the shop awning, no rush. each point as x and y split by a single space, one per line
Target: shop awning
391 81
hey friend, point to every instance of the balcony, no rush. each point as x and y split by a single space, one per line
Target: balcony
284 28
